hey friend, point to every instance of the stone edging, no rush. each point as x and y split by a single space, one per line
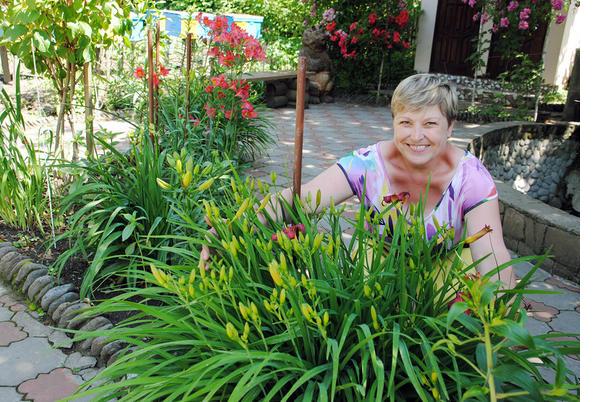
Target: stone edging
530 226
60 302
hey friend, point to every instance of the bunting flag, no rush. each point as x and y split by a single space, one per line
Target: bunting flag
179 23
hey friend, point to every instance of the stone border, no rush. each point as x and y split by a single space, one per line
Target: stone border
530 226
60 302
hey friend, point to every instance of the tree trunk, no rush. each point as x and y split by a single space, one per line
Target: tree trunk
89 112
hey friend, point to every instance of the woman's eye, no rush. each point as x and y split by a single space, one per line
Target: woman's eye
431 123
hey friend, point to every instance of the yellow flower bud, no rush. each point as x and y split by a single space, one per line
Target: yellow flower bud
367 290
189 165
254 310
267 306
179 166
282 296
317 242
273 177
486 229
378 288
206 185
246 331
436 394
264 202
306 311
242 209
222 275
232 333
304 281
243 311
318 198
275 274
163 184
326 318
434 377
181 280
192 276
186 179
230 273
373 314
191 290
196 170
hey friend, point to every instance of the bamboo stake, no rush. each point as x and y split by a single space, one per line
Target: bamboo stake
157 66
150 86
188 69
298 143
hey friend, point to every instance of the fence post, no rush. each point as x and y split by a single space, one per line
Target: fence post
299 139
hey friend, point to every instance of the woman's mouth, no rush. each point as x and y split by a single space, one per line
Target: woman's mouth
418 148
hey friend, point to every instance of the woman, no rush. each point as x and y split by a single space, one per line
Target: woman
461 191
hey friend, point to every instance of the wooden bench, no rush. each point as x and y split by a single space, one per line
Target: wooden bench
280 86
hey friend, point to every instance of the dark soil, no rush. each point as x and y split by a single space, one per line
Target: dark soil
39 248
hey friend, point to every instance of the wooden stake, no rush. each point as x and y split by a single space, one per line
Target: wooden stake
150 86
298 143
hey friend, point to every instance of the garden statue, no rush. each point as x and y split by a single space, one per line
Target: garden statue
318 65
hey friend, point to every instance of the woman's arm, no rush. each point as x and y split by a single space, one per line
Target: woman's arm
488 213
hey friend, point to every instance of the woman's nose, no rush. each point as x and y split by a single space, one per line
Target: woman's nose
416 132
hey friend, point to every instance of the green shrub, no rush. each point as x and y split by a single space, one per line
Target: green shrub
120 213
293 313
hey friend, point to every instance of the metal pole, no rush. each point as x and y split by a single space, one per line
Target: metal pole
300 88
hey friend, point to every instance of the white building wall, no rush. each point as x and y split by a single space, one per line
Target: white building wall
425 35
559 48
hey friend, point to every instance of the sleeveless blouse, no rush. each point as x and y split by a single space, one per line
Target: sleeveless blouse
471 186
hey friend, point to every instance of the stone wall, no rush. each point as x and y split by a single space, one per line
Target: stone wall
540 156
535 159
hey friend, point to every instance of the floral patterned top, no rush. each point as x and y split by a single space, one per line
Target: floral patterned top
471 186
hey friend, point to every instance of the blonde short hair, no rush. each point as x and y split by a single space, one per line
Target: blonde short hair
422 90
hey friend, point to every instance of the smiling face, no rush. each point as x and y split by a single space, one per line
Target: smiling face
421 136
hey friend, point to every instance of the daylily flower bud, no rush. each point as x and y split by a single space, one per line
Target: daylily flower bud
186 179
326 318
232 333
282 296
275 274
179 166
243 311
306 311
163 184
471 239
207 184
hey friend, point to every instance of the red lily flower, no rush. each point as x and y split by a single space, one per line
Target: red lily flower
392 198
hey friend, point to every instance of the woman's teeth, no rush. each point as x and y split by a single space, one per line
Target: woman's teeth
419 148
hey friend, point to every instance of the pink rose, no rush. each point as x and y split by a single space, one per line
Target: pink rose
524 14
560 18
485 17
557 4
523 25
504 22
513 5
472 3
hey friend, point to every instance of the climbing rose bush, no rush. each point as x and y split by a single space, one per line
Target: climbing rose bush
387 31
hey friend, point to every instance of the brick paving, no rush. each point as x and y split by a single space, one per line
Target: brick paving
37 364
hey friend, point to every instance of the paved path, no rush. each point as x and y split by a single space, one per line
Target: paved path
36 362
